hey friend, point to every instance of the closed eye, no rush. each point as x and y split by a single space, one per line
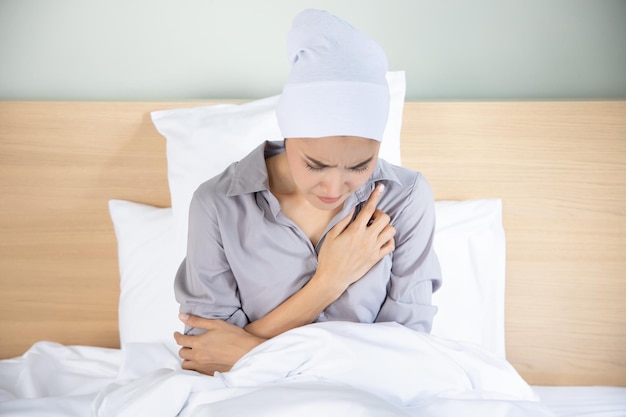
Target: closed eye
314 165
314 168
359 169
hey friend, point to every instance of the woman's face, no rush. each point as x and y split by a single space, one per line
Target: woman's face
327 170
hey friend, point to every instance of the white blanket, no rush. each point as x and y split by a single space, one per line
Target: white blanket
326 369
52 380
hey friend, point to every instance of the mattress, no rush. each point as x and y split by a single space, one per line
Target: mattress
595 401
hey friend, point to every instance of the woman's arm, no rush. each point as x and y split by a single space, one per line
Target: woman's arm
217 349
350 249
205 285
415 272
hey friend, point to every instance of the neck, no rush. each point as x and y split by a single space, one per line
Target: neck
279 176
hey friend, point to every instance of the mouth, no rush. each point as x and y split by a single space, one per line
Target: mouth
329 200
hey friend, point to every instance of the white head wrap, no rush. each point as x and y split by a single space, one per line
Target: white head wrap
337 84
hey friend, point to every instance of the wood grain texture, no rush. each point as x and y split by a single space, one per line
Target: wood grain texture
559 167
60 163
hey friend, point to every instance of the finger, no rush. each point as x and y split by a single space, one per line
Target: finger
379 221
208 368
197 322
185 353
189 365
387 248
386 234
369 208
183 340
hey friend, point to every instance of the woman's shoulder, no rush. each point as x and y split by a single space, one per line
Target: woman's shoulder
408 198
246 176
216 188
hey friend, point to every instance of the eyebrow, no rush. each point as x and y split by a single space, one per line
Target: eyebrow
323 165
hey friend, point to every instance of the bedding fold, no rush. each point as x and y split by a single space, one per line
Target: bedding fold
331 368
53 380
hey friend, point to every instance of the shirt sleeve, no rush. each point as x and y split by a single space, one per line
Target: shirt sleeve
415 271
204 285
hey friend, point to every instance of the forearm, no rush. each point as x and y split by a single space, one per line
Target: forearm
351 247
298 310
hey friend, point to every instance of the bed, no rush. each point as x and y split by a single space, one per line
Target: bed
531 206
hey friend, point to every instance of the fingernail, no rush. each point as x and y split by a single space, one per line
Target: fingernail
183 316
381 188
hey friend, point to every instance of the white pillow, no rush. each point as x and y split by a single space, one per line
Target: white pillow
470 244
469 241
148 311
203 141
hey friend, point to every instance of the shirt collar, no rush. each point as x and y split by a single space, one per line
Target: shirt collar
250 174
382 173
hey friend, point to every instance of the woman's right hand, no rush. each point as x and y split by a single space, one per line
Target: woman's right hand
351 249
348 252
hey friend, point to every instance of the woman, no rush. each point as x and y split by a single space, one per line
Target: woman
315 227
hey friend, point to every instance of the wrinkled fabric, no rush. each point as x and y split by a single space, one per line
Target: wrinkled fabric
244 257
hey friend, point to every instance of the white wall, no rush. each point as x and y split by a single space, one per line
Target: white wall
193 49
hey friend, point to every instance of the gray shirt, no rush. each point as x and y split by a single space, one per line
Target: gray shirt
244 257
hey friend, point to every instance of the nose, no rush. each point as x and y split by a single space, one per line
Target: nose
334 183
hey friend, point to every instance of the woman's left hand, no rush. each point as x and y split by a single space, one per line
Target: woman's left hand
217 349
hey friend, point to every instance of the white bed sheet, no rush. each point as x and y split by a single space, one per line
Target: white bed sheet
53 380
592 401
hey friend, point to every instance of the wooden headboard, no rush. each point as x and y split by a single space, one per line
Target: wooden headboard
559 167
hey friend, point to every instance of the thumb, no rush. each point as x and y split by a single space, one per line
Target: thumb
195 321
